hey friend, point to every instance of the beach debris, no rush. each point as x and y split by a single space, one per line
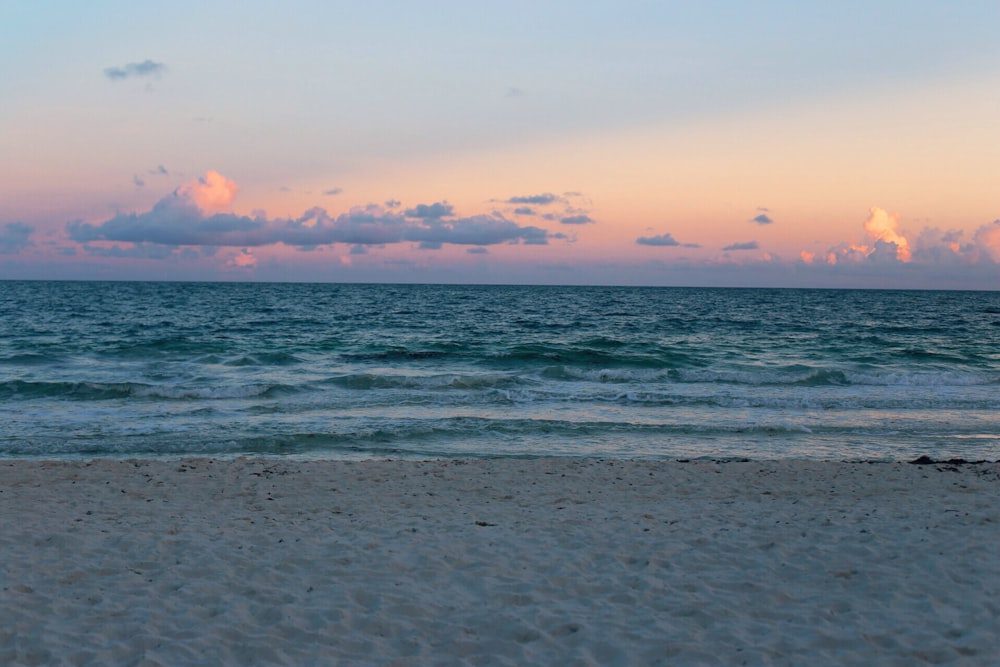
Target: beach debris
924 460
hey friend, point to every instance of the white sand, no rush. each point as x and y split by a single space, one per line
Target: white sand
498 562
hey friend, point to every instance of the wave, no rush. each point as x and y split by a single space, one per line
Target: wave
98 391
369 381
401 354
449 436
29 359
793 376
918 378
264 359
739 400
610 375
595 352
161 347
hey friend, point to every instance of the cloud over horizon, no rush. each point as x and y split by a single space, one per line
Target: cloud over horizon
196 222
888 245
192 216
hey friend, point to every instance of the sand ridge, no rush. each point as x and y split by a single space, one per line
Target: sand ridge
498 561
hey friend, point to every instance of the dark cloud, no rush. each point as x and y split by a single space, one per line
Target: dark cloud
884 252
578 219
430 211
477 250
746 245
333 191
173 220
665 239
540 200
524 210
138 182
176 221
15 237
159 171
952 236
476 230
392 203
762 219
143 69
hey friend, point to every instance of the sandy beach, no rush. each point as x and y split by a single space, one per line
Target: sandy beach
502 561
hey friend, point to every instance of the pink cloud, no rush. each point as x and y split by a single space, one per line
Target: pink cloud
211 192
245 259
987 237
884 226
930 246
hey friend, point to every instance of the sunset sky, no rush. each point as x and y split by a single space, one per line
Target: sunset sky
838 144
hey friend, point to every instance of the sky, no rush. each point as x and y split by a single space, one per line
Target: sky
713 143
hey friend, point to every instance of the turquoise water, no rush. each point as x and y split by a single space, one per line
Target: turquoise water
95 369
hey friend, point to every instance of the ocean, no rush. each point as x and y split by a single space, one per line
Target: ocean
355 371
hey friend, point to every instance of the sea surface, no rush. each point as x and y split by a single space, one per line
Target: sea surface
344 371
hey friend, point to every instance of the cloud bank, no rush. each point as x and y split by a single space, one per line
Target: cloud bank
886 244
191 216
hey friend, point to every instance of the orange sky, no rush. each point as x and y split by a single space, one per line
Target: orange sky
661 125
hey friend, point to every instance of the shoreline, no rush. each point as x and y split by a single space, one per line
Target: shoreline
264 560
